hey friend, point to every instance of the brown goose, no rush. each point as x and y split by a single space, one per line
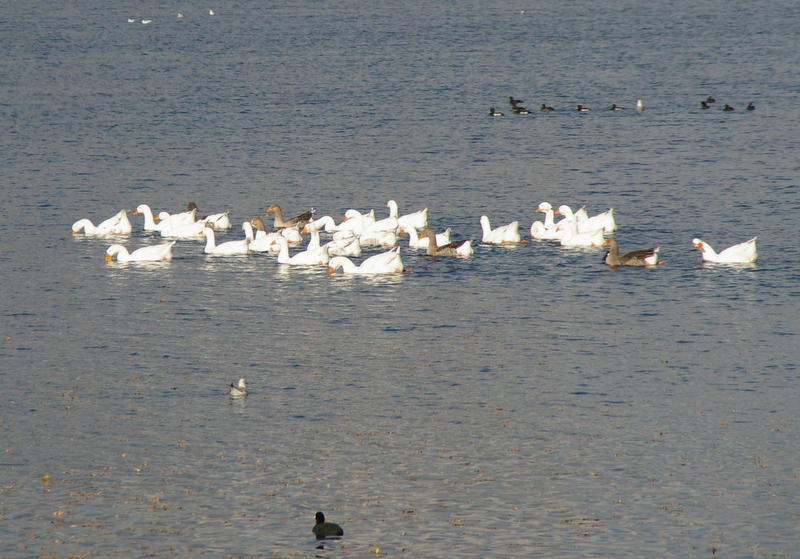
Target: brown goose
644 257
300 220
458 248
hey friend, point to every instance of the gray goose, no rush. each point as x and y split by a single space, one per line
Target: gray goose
300 220
458 248
644 257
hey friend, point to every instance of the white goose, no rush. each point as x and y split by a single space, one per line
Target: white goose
388 262
603 220
346 246
229 248
417 219
262 243
170 221
503 234
314 257
539 231
366 224
573 238
326 223
415 241
151 253
149 223
119 224
743 253
378 238
195 229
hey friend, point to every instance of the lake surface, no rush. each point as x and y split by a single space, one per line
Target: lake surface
526 402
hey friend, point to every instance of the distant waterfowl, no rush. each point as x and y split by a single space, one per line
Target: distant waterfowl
604 220
544 108
212 13
118 224
300 220
500 235
180 15
313 257
727 108
147 21
324 529
458 248
582 109
710 100
149 253
704 105
743 253
418 219
492 112
639 105
572 237
513 102
238 391
751 107
388 262
415 241
615 107
228 248
521 111
131 20
644 257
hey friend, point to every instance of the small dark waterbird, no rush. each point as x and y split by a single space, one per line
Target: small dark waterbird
324 529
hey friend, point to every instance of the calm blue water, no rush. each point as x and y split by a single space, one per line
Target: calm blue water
526 402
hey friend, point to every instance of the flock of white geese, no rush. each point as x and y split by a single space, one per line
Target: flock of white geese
345 239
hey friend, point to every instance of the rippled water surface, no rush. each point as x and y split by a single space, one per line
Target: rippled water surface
525 402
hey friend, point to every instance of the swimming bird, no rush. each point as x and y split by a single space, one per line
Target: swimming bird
415 241
180 15
582 109
324 529
149 253
492 112
643 257
212 13
604 220
710 100
573 238
544 108
727 108
503 234
743 253
418 219
388 262
458 248
513 102
751 107
118 224
238 391
131 20
300 220
704 105
147 21
521 110
310 257
615 107
639 105
241 246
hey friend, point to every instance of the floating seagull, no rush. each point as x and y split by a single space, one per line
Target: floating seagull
131 20
146 21
180 15
639 105
239 391
324 529
212 13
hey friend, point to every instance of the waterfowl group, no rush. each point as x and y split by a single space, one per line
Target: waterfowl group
706 104
358 230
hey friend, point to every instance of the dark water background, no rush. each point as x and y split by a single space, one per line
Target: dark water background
528 401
